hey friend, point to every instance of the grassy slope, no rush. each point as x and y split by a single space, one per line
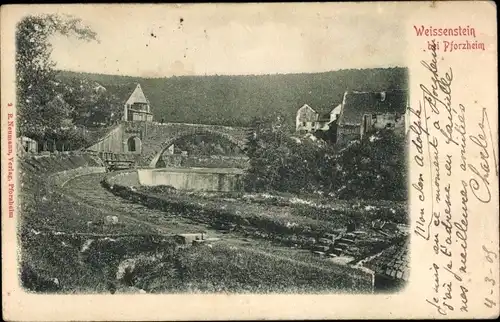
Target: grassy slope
52 247
236 100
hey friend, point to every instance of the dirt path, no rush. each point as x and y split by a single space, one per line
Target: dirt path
88 189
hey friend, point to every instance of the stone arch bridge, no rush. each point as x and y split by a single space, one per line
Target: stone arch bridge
145 142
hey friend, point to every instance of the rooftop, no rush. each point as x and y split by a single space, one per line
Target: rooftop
356 104
124 92
137 96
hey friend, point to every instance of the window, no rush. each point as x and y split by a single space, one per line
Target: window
389 125
304 123
313 123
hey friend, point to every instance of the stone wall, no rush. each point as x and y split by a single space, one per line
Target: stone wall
195 179
155 137
60 178
125 178
111 142
215 161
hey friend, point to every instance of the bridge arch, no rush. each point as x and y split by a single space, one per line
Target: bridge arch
184 134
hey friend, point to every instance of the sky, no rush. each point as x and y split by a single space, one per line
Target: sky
232 39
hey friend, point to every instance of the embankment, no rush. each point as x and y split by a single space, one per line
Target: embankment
61 253
291 224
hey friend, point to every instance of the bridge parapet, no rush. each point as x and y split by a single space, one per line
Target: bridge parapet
154 138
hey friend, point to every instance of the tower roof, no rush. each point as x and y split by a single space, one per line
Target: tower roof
137 96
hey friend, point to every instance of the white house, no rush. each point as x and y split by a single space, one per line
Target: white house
308 120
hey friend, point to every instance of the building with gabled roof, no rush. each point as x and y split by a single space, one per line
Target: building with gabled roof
137 107
306 118
309 120
363 112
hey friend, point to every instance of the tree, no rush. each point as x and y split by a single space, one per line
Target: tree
278 161
35 75
93 105
374 168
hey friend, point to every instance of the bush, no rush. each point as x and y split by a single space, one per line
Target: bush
281 162
374 168
224 268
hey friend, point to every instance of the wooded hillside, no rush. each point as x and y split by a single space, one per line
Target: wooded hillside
239 100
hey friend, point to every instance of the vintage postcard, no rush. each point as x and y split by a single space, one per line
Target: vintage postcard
249 161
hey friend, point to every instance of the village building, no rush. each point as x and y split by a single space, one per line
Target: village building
309 120
305 119
137 107
334 114
26 144
364 112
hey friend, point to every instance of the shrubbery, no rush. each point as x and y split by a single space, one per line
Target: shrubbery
281 162
374 168
289 221
224 268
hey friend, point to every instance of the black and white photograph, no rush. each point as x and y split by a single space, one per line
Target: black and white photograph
198 153
257 161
